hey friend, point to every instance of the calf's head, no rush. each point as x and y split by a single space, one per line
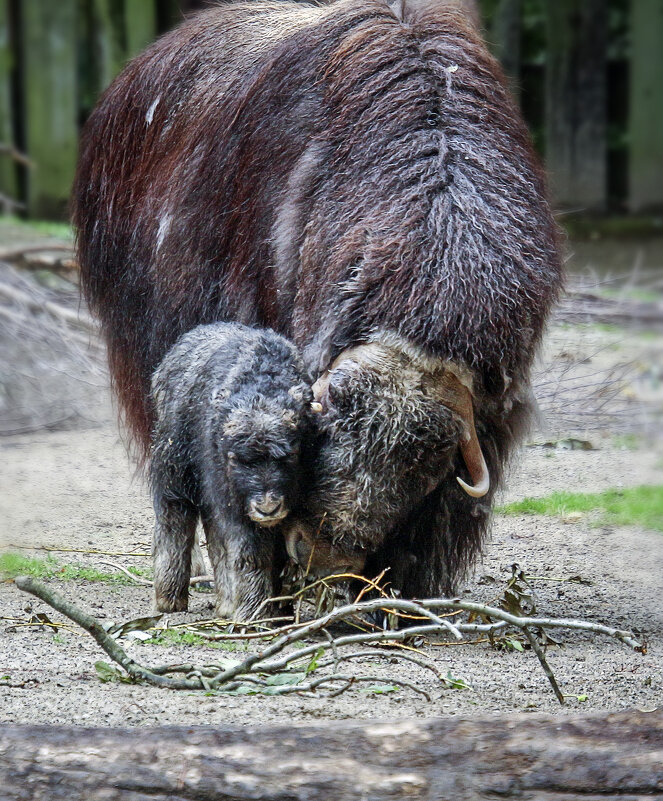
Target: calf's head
261 443
392 423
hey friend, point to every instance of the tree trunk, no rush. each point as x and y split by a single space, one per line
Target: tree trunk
576 103
109 39
646 115
49 36
8 180
140 17
505 35
518 756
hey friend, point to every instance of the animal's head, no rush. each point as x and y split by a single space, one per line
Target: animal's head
393 422
262 442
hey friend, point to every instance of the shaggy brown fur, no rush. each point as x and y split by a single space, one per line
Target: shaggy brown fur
332 172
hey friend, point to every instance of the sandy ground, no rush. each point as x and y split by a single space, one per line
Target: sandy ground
74 489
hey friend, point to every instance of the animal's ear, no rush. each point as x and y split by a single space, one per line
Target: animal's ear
301 393
421 11
297 393
331 389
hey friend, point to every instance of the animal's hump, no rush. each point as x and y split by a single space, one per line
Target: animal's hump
411 11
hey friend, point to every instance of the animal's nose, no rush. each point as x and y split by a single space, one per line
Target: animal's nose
269 504
322 558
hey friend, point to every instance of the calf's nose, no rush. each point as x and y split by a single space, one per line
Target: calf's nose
269 504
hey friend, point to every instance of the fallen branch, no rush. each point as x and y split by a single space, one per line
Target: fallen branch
76 318
17 253
273 660
49 549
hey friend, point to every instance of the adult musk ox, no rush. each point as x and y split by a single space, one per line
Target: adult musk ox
356 177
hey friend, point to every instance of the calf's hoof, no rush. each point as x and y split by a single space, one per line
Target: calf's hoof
165 604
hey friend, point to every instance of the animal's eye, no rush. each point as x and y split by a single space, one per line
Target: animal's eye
334 395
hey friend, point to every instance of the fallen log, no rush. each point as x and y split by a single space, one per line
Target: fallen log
508 756
587 307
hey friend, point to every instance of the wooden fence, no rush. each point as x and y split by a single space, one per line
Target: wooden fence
591 89
56 56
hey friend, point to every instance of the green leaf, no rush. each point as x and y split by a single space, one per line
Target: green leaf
243 689
380 689
514 645
107 672
313 664
138 624
454 683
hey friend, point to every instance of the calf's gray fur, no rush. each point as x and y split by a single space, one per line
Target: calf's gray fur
232 412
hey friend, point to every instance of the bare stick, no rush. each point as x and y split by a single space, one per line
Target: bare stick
104 640
129 574
12 546
538 650
535 622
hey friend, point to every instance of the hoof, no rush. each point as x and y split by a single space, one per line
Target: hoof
171 604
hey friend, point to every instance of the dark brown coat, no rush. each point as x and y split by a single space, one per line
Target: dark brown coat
335 173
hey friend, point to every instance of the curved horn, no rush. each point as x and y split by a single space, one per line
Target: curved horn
456 396
476 465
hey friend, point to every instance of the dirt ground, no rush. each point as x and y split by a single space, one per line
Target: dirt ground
74 489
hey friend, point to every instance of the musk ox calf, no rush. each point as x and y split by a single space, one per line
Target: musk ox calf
356 176
233 413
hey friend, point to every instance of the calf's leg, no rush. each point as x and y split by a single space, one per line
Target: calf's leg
244 562
174 537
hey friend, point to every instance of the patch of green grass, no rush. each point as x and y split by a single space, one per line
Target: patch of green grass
649 336
60 230
605 328
638 506
627 442
14 564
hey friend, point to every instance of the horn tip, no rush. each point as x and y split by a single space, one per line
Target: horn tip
475 492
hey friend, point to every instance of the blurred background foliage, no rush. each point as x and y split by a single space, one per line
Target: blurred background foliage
588 75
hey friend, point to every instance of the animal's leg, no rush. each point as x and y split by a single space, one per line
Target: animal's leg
198 566
243 561
174 536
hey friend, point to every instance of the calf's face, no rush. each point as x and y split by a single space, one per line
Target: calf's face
262 450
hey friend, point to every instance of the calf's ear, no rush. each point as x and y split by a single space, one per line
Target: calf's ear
297 393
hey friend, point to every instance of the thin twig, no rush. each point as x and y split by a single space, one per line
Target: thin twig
74 550
104 640
538 650
137 579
